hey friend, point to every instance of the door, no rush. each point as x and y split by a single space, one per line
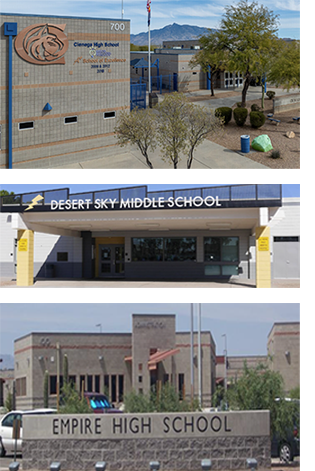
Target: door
286 257
112 261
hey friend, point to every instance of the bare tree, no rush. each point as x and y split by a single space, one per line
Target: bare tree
201 124
137 127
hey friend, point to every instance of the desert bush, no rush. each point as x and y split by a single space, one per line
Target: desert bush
257 119
270 94
240 116
275 154
255 107
225 112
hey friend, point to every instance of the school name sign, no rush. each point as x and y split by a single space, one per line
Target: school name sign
135 203
127 426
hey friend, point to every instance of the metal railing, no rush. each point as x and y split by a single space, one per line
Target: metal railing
228 193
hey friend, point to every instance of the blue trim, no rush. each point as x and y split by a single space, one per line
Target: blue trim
10 30
58 16
10 100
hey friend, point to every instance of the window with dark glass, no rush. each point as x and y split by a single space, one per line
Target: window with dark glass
53 384
72 380
106 385
120 388
89 383
62 256
97 383
114 388
221 249
168 249
147 249
179 249
181 386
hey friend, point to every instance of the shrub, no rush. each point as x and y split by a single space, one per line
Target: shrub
270 94
240 116
225 112
257 119
255 107
239 104
275 154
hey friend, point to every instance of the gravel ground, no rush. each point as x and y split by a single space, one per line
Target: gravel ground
289 148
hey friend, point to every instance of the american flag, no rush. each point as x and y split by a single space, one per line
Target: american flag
149 11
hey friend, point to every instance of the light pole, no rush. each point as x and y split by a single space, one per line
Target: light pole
199 357
225 361
192 352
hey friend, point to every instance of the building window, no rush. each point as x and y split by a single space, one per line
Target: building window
147 249
109 114
89 383
114 388
140 367
181 386
26 125
139 379
120 388
286 239
52 385
20 386
71 119
175 249
221 249
166 378
97 384
62 256
179 249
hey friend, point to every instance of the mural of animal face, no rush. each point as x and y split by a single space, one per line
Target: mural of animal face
42 44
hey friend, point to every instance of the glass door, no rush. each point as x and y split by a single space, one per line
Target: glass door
111 261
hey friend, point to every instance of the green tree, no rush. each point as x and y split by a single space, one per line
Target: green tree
46 391
139 128
262 389
72 402
285 67
9 402
10 197
208 56
246 35
163 399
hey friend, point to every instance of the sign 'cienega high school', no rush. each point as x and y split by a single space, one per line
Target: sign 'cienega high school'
135 203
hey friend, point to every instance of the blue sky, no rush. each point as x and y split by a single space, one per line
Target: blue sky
287 190
245 325
205 13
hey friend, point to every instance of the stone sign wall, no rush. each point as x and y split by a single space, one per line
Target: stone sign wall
286 103
128 442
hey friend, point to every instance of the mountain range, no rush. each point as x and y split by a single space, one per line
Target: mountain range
168 33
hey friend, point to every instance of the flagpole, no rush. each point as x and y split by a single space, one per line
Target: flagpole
149 40
149 59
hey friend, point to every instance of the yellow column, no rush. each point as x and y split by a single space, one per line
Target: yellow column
25 258
263 263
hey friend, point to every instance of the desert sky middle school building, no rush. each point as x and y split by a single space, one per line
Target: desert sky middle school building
239 232
64 81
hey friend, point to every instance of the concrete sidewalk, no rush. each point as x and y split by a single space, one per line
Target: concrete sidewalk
207 155
59 283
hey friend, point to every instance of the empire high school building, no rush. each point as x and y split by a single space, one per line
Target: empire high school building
64 81
239 232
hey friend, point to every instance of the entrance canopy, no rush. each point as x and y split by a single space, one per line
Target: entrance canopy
157 357
137 209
